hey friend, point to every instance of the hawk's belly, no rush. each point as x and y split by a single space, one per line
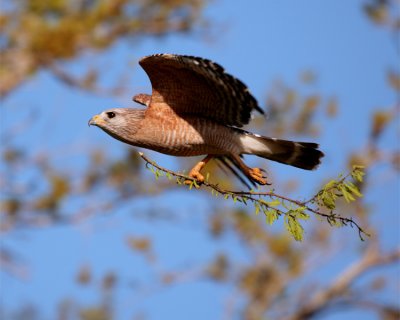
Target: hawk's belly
187 137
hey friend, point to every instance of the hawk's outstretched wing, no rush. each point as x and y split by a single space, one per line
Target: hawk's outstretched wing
199 87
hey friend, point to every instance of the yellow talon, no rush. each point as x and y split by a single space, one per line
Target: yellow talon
257 175
195 175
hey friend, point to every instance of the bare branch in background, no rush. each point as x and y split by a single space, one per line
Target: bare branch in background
342 284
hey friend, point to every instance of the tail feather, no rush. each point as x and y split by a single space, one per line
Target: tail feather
304 155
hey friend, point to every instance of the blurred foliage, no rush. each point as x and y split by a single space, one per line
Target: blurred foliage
276 281
37 34
84 275
383 12
219 268
292 113
380 121
140 244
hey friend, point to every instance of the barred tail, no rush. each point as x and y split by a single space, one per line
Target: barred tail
304 155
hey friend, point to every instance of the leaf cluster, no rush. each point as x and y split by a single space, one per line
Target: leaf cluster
335 189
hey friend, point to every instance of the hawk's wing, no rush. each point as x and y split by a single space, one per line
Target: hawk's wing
195 86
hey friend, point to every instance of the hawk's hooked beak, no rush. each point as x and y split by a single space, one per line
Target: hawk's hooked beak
96 120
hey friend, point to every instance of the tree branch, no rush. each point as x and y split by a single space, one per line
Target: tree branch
280 205
343 282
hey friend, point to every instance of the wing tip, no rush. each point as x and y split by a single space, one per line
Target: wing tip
156 56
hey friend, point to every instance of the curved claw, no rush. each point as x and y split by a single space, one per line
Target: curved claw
195 175
195 172
257 175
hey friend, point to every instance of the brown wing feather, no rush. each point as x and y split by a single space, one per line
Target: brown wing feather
195 86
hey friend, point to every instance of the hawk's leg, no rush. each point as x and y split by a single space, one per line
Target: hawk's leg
254 174
195 171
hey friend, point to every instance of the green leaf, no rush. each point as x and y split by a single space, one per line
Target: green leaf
273 203
330 184
300 213
358 173
347 195
271 216
354 190
328 201
294 227
257 207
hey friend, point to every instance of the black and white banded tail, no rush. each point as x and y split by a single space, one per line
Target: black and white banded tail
304 155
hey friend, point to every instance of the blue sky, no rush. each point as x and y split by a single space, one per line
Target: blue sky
258 42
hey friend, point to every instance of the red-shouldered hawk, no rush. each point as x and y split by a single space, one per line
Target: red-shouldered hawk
197 108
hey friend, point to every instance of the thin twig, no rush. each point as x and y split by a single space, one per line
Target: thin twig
256 197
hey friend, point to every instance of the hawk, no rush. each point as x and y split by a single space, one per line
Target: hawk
196 108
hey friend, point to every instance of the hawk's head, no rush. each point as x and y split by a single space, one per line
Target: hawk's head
120 123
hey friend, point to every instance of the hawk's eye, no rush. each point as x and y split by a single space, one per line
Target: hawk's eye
110 115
